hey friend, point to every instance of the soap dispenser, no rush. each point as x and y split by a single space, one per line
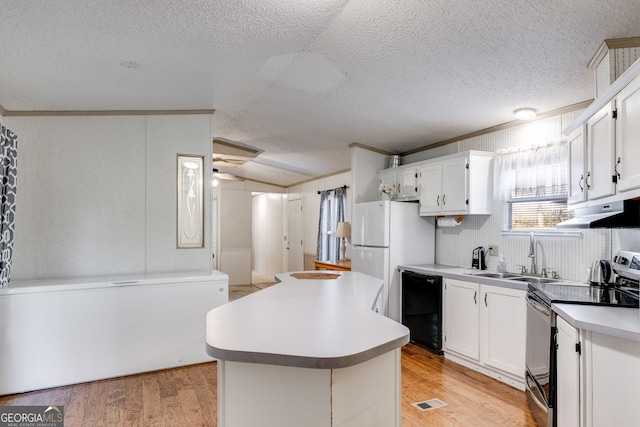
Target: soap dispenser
502 266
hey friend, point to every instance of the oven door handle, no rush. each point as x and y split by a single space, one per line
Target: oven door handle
538 306
533 395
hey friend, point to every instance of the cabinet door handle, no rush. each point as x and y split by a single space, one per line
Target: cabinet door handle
485 300
587 180
443 201
580 183
438 200
616 168
475 297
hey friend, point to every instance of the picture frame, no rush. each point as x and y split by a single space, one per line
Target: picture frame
190 201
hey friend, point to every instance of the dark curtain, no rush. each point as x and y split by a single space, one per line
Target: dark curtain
8 171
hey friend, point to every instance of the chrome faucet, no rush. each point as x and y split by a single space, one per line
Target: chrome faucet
532 254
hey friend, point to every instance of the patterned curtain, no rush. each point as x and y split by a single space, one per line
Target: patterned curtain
333 205
8 172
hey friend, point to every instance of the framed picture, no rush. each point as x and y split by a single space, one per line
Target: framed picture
190 201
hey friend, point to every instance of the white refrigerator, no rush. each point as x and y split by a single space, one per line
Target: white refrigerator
385 234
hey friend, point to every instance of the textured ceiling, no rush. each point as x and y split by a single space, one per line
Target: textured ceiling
301 80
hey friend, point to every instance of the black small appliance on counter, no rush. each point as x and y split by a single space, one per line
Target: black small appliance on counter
477 260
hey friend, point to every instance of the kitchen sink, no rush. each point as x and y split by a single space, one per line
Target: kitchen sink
497 275
534 279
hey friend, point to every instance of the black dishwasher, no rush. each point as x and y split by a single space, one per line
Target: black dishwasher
422 309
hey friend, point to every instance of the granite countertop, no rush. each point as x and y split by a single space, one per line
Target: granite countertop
614 321
310 323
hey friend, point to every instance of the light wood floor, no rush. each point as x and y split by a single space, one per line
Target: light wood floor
187 397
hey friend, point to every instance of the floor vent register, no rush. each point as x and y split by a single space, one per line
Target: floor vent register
427 405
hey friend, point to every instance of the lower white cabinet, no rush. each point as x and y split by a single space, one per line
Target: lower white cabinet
598 378
504 329
485 329
568 379
612 380
462 312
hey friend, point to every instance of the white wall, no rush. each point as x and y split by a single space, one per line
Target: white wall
96 195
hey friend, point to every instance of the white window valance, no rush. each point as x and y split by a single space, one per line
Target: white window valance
531 172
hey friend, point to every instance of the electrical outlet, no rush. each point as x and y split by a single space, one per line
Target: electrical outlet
493 250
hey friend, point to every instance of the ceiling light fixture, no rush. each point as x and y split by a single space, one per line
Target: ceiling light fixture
129 64
525 113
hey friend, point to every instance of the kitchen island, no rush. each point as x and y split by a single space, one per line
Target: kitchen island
310 350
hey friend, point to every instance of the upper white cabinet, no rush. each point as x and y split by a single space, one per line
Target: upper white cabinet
591 157
403 180
604 145
388 178
600 130
577 165
458 184
628 137
407 181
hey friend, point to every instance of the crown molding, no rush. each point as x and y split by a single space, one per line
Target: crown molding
541 116
319 177
608 44
45 113
366 147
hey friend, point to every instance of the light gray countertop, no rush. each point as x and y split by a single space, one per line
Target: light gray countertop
461 273
323 324
24 286
615 321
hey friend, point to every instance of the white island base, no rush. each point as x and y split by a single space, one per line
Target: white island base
308 352
366 394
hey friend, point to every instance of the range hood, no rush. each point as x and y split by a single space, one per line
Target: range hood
622 214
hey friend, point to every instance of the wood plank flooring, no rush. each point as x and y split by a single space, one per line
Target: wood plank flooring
187 397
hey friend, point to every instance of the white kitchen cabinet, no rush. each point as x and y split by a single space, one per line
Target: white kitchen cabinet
407 184
610 132
503 325
628 137
430 180
457 184
461 313
577 166
388 178
485 329
404 180
600 131
612 377
568 378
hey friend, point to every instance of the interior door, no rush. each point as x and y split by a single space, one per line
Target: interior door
295 230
